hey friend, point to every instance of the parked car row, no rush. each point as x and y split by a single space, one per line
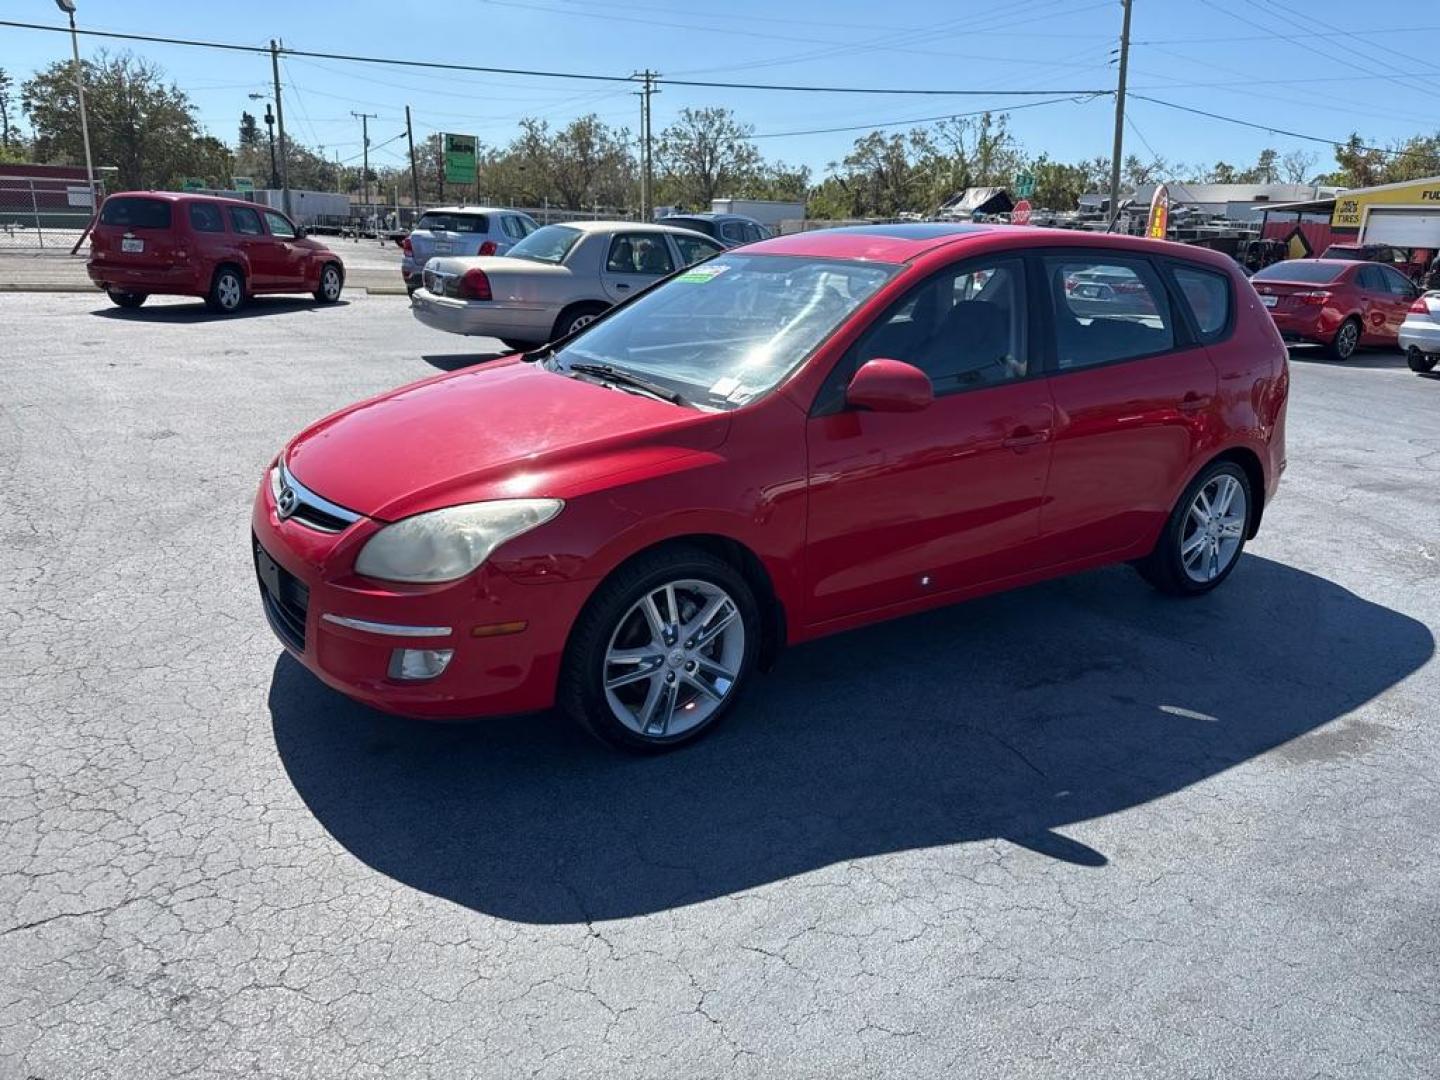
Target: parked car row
1338 303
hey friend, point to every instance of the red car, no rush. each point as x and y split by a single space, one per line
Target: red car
226 250
1338 303
802 436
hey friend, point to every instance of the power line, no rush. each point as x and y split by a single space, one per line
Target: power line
926 119
584 76
1268 127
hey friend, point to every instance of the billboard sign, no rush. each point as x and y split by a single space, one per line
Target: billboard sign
459 159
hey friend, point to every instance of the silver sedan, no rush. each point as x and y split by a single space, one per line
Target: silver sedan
1420 332
553 282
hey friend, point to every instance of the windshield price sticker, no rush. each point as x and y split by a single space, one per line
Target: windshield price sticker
701 274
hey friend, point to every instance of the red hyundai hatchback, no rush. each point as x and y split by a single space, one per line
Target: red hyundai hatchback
1337 303
805 435
225 250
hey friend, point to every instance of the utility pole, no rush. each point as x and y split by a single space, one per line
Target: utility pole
365 119
280 122
270 127
1119 148
647 179
68 6
414 172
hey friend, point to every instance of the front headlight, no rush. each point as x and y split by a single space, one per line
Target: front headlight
443 545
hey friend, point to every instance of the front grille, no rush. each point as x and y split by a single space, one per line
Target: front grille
295 502
285 597
308 514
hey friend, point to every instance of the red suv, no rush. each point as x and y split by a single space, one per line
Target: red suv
191 245
800 436
1338 303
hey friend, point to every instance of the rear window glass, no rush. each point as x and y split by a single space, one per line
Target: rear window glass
460 223
1311 273
1208 295
136 213
205 217
550 244
700 225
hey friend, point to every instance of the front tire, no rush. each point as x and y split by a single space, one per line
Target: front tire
1346 340
662 651
227 291
126 299
1205 535
331 282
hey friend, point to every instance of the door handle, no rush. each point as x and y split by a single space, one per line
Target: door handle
622 286
1193 402
1023 437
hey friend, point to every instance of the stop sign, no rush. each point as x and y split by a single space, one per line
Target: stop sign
1021 214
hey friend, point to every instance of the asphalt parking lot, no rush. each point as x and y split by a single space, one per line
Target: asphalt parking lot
1078 830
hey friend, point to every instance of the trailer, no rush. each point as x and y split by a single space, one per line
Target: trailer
308 208
768 212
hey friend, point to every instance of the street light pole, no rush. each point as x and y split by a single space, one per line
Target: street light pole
68 6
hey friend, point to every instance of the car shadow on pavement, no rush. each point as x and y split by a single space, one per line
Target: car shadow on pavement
456 361
1006 718
256 307
1362 358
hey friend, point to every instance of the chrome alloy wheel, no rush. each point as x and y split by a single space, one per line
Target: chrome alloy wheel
579 322
1347 340
227 291
674 658
330 283
1214 529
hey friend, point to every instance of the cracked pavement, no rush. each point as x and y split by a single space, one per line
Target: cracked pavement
1078 830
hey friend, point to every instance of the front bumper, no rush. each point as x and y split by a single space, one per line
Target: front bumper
1424 336
482 318
353 652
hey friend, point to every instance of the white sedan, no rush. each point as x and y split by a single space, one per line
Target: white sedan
1420 332
553 282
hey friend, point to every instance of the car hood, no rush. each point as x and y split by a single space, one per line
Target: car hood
508 429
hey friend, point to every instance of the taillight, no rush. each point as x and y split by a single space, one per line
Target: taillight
405 246
487 248
473 286
1314 298
1420 307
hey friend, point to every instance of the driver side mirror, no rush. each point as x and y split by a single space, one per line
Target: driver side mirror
300 232
894 386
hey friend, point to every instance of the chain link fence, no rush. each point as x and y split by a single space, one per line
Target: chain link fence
43 215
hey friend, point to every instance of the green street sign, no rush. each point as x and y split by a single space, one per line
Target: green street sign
1024 184
193 183
243 184
460 159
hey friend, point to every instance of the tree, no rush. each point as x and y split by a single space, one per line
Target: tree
1298 166
249 132
1058 186
704 154
970 152
7 96
139 123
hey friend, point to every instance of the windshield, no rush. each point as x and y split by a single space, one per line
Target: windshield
726 331
1310 273
549 244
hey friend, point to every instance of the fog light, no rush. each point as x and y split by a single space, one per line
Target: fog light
419 663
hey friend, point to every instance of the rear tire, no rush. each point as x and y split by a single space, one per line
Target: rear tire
576 317
332 280
662 651
126 299
1346 340
227 291
1205 535
1419 362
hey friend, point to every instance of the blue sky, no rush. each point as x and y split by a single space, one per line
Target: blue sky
1261 60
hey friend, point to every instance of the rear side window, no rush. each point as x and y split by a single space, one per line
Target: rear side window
639 253
1208 296
245 221
135 213
205 217
695 248
734 231
458 223
1107 309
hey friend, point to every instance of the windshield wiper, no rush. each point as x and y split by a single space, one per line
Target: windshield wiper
626 378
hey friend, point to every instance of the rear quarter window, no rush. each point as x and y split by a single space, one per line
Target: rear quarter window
136 213
1207 295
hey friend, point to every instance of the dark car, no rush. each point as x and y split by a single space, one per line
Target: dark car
732 230
226 250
